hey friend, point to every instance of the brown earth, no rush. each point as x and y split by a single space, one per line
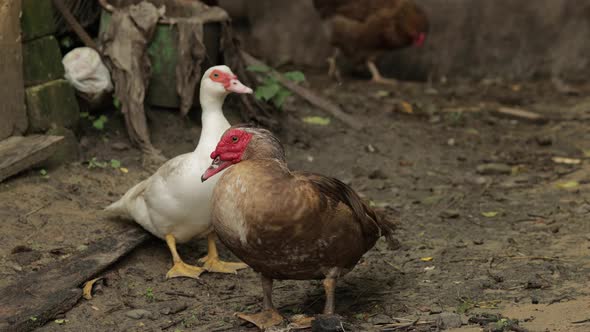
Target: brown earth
515 243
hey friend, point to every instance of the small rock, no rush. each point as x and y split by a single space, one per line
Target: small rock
16 267
448 320
477 180
26 258
138 314
20 248
494 169
120 146
81 247
486 284
534 284
370 148
58 251
544 140
582 209
327 323
377 174
302 145
84 142
450 214
534 300
451 142
173 308
478 242
380 319
460 244
431 91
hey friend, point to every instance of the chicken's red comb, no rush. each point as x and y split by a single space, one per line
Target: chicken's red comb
419 39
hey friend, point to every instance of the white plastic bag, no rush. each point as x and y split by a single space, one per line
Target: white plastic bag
86 72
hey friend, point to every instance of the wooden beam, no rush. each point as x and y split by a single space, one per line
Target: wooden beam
18 153
12 94
39 296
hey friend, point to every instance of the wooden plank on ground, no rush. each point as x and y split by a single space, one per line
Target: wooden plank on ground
40 296
12 93
18 153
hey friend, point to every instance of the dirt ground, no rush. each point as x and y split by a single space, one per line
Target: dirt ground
511 239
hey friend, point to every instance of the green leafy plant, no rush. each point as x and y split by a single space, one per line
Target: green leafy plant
100 122
95 163
43 174
271 90
97 123
115 163
116 103
149 294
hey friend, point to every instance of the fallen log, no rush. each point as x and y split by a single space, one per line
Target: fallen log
39 296
18 153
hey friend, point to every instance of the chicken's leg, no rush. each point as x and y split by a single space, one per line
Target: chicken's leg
376 75
333 71
269 316
180 268
214 264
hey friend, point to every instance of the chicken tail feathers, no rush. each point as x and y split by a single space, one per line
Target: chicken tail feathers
387 227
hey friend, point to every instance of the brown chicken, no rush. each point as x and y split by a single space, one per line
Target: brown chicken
286 224
362 30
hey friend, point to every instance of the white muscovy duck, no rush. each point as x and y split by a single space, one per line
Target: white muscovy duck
173 204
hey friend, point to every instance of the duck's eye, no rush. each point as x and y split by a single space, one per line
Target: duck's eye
215 75
234 138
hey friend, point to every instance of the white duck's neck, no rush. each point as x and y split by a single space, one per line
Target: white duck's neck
213 123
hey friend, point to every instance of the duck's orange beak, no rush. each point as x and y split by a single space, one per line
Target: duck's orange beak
217 166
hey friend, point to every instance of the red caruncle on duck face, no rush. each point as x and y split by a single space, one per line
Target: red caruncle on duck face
229 81
229 151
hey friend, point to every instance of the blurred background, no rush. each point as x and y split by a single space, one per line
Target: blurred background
465 121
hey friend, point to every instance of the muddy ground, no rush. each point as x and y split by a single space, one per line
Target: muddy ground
515 241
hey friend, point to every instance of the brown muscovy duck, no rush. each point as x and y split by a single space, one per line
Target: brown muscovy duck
286 224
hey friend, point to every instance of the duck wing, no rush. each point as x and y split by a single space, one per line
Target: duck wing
332 192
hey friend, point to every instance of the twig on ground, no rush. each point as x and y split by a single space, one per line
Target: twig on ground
399 326
559 299
177 293
32 212
172 323
314 99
